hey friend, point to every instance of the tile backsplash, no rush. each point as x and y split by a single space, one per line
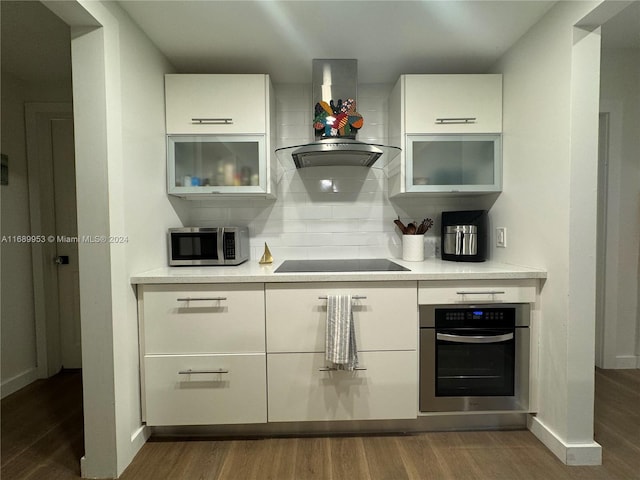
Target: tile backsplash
325 212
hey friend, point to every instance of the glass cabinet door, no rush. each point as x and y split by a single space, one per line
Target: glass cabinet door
453 163
209 164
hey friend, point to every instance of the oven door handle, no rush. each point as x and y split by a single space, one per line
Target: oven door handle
447 337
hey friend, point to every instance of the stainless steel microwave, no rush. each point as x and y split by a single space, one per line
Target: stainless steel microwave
208 246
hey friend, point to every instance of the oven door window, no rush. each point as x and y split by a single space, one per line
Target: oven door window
194 246
475 362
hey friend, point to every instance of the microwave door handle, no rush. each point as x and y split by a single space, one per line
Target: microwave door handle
220 245
447 337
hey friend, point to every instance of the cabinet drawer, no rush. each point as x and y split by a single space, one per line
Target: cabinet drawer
174 398
387 319
242 99
486 291
450 97
225 318
300 391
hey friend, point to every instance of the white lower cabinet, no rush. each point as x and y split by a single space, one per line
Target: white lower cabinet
201 318
300 389
252 353
447 292
205 389
202 351
385 315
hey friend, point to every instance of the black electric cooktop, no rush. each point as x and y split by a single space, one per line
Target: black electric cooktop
340 265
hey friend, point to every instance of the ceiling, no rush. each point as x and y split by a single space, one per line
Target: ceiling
36 45
623 30
282 37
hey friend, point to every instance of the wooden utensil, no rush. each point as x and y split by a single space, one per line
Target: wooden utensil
426 224
401 226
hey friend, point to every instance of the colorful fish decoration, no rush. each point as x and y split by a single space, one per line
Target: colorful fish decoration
337 120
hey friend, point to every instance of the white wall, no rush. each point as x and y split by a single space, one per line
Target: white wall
18 319
620 97
139 208
548 205
119 113
19 360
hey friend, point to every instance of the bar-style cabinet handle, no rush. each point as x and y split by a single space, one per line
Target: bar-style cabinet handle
201 372
353 297
453 121
212 121
487 292
201 299
329 369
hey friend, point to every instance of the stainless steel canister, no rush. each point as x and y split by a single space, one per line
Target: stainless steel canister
461 240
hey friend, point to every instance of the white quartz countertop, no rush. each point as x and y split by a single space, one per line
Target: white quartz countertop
252 271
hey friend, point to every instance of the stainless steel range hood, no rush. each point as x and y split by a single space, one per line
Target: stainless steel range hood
333 80
336 152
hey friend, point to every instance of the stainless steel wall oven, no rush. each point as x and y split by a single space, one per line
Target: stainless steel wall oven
474 357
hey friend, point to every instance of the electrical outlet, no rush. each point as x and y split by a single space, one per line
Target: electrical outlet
501 237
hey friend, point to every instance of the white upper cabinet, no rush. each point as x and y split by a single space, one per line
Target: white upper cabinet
449 129
453 104
219 104
219 135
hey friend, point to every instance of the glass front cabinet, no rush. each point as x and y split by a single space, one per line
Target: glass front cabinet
216 164
453 163
220 135
449 128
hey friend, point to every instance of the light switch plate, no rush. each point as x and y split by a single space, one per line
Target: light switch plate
501 237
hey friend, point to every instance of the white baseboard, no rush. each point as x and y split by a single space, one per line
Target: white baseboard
21 380
138 439
627 361
589 453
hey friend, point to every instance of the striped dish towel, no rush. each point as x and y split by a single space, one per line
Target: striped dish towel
340 338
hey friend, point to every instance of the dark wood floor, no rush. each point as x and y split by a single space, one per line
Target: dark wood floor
42 439
42 430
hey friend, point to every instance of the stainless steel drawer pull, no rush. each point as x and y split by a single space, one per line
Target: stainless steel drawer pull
212 121
353 297
485 292
449 121
329 369
202 299
447 337
201 372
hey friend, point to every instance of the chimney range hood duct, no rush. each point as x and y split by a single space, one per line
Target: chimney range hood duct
334 80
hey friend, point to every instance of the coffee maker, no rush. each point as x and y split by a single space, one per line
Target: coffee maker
464 236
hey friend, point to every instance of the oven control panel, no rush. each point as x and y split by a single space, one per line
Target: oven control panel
473 316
